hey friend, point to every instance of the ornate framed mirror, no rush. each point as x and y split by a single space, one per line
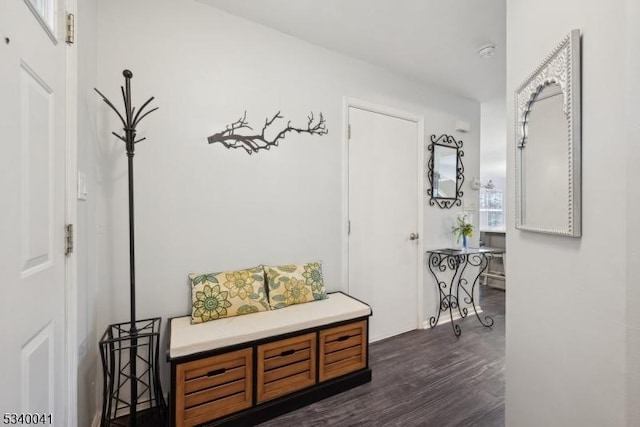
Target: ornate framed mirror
548 144
445 171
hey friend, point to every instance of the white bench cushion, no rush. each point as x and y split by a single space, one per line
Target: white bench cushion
189 339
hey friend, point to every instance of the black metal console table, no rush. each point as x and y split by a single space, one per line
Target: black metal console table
456 261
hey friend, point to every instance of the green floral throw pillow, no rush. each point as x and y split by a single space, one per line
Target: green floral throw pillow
226 294
295 284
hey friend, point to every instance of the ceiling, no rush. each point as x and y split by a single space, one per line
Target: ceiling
432 41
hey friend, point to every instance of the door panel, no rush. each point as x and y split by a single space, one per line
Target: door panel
37 368
383 212
32 190
37 171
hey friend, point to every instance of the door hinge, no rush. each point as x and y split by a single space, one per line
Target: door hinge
348 226
68 239
348 131
71 28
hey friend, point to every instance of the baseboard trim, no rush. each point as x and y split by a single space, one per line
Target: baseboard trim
444 318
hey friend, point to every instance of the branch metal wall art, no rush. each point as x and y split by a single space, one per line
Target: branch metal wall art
230 137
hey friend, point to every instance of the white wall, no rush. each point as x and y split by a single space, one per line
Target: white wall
567 347
632 91
87 227
202 208
493 142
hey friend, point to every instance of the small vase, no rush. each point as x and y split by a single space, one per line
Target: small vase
464 243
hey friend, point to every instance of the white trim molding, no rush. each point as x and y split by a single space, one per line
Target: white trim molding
71 217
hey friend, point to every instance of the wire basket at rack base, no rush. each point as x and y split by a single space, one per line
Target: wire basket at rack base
118 346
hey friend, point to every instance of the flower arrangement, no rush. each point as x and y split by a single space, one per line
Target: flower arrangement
463 228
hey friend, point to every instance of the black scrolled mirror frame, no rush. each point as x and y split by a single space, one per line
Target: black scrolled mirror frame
449 141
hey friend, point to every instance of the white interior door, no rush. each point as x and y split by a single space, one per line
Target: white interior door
32 190
383 213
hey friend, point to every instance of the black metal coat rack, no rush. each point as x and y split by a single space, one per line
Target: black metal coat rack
138 338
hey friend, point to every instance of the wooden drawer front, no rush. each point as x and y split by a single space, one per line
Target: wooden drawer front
213 387
286 366
343 349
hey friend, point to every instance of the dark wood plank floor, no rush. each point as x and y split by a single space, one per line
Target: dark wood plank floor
425 378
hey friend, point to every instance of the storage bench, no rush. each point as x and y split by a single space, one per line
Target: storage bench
246 369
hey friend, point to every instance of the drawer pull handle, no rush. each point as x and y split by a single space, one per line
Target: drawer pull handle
287 353
343 338
217 372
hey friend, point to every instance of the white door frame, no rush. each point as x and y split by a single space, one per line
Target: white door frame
391 112
71 217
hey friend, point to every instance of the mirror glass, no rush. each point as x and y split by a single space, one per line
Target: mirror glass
445 166
543 157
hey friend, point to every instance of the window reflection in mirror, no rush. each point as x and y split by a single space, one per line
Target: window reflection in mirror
445 166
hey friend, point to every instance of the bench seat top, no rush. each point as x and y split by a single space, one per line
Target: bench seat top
187 339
